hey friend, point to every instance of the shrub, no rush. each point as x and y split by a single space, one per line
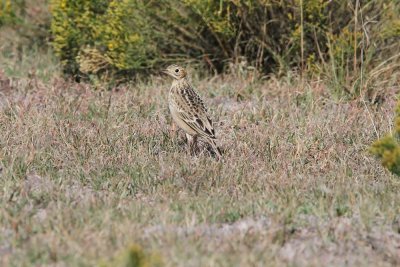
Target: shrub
99 35
134 256
7 12
387 149
24 23
334 38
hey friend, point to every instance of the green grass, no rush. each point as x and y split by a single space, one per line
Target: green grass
87 173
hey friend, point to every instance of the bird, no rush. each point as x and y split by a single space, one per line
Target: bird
188 110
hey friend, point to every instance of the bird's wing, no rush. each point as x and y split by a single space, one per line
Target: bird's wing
194 113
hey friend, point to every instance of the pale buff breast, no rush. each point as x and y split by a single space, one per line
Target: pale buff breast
182 124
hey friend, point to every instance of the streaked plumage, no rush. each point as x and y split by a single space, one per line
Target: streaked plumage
188 109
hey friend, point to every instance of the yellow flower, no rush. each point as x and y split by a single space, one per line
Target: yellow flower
63 4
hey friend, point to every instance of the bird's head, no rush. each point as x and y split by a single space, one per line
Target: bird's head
176 72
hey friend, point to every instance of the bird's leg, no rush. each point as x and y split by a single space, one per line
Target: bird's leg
173 129
192 144
216 149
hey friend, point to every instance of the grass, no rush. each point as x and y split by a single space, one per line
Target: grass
86 174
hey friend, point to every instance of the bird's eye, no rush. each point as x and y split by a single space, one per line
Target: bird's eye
177 70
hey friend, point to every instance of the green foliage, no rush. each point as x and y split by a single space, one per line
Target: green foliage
101 35
387 149
332 38
7 12
23 22
135 256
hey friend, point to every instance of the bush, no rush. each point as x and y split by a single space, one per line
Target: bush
7 12
387 149
99 36
334 38
24 23
134 256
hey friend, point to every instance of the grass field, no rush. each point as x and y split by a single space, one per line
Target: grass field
86 173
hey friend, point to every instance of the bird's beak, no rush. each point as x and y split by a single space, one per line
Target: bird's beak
165 71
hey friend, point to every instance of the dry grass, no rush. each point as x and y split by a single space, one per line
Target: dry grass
87 173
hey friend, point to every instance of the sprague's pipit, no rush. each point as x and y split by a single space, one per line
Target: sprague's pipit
188 110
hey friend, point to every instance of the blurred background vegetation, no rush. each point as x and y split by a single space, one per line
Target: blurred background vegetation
348 43
353 46
24 23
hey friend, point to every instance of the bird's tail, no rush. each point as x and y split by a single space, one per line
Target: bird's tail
216 148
